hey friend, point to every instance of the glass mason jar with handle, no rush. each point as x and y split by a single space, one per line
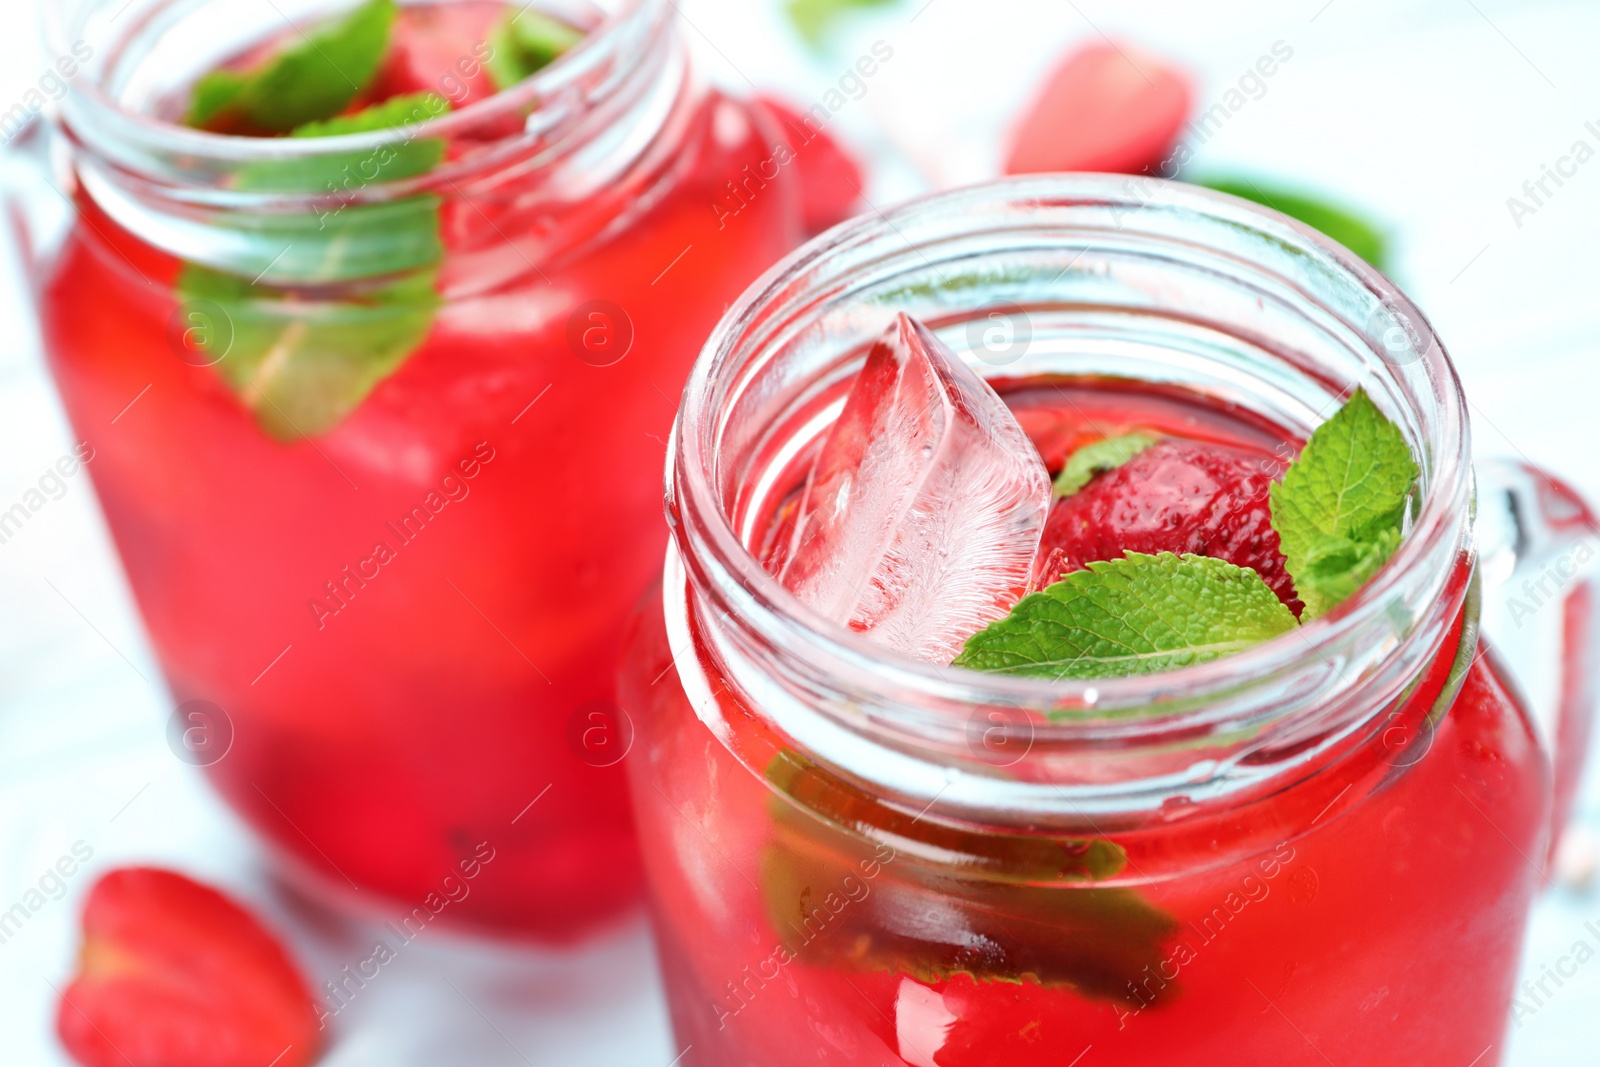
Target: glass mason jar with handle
1320 849
377 422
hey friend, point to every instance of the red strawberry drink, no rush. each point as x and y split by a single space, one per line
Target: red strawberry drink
376 328
1069 654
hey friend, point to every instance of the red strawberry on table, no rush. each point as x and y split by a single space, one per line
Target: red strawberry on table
1175 496
174 974
1105 108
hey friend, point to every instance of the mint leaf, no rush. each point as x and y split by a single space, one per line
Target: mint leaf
1136 615
1343 225
300 365
525 43
315 78
815 18
1098 458
835 898
303 365
1339 509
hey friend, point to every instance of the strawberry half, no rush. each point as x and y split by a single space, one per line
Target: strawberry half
174 974
1175 496
1105 108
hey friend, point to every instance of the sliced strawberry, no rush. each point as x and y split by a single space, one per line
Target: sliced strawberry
440 48
174 974
830 180
1175 496
1104 108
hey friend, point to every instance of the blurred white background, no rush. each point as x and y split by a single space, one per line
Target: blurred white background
1425 114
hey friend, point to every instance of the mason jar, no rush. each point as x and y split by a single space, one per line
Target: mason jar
1320 849
376 422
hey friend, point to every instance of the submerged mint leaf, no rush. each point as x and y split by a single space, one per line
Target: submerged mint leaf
1343 225
315 78
1098 458
525 43
301 365
1137 615
1339 509
1009 907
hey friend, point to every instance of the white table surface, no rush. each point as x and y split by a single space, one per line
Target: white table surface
1428 114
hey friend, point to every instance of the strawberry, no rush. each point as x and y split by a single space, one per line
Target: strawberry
174 974
1105 108
1175 496
830 180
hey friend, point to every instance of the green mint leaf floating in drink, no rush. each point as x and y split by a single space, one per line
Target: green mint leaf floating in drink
1343 225
525 43
315 77
1340 506
1097 458
845 886
1137 615
302 365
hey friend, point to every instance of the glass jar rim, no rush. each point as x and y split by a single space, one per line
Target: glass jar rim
1198 696
90 106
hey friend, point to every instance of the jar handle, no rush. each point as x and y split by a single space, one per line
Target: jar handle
1538 543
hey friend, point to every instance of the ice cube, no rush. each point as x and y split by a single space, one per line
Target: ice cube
925 506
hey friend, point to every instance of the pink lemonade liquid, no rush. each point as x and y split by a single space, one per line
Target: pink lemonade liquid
410 618
1370 913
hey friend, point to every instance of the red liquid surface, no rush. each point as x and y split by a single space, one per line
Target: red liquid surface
487 518
1369 914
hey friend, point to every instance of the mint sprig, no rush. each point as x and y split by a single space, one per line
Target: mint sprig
525 43
1340 506
1339 513
1135 615
1102 456
316 78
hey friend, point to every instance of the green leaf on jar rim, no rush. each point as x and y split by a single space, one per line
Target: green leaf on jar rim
836 900
316 77
526 42
1340 223
301 365
1097 458
1140 614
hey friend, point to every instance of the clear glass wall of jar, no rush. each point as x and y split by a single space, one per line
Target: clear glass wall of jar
1321 849
381 454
